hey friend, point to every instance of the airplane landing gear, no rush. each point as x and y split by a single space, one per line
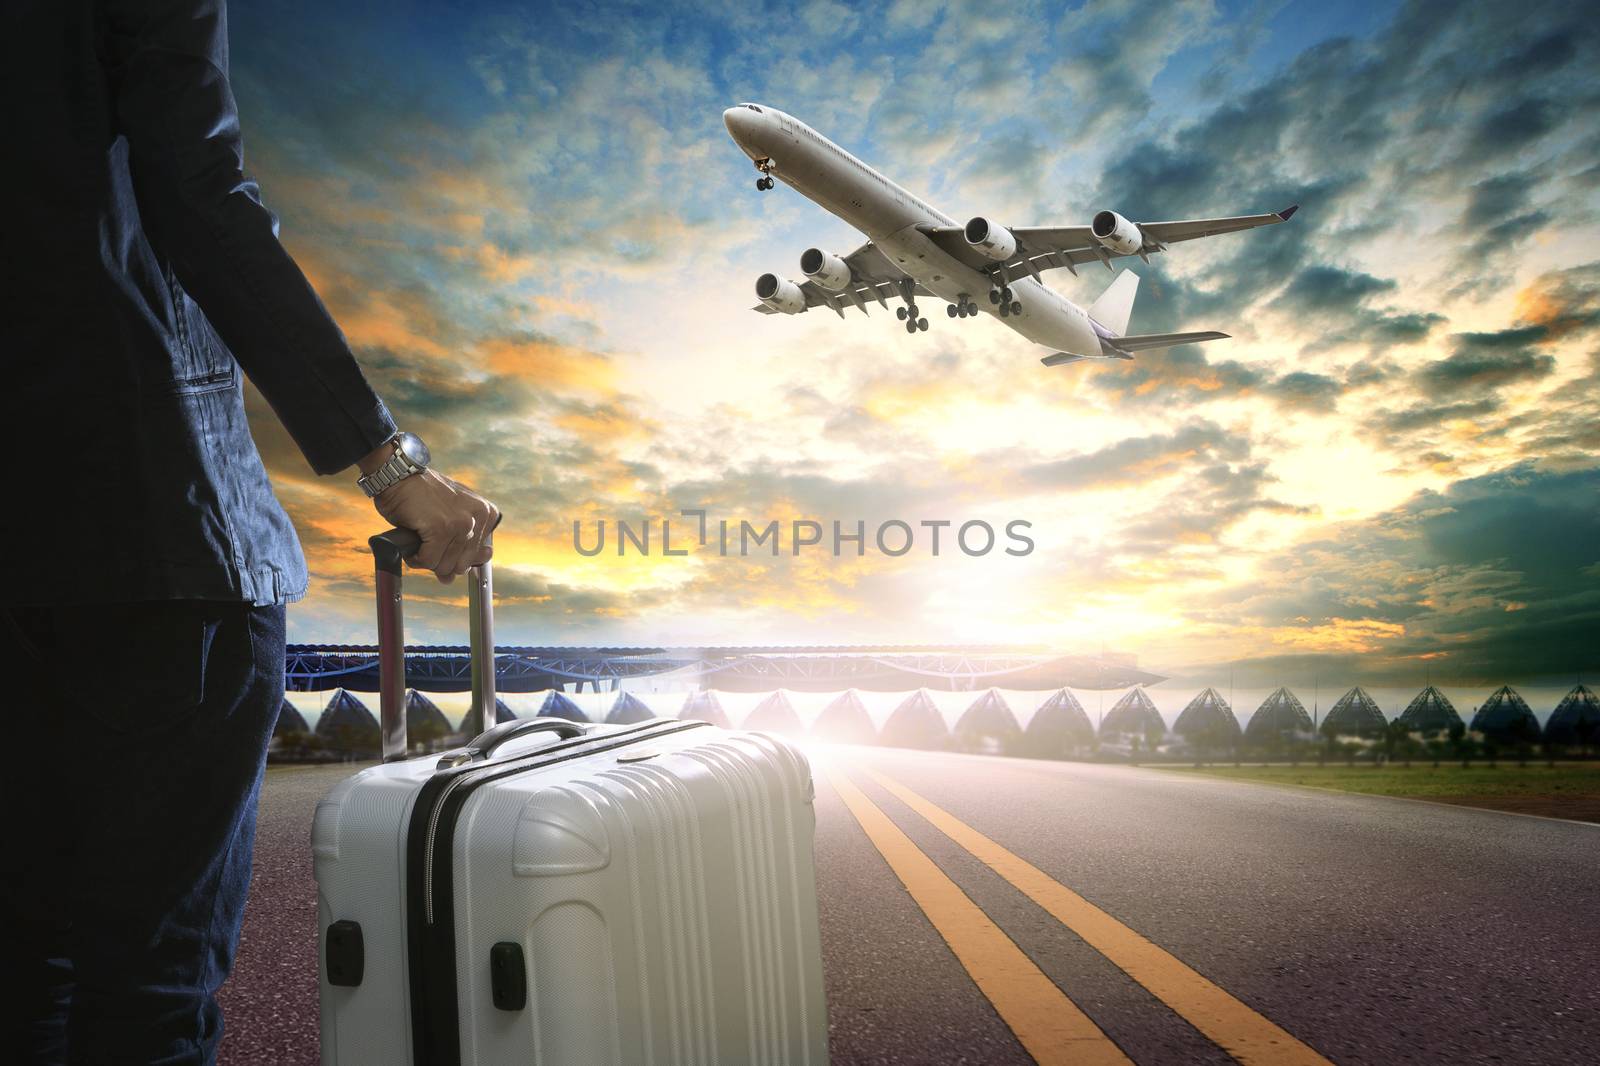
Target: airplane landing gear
1005 301
766 166
908 313
962 308
763 184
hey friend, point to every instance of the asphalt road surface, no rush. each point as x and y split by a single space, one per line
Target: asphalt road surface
984 910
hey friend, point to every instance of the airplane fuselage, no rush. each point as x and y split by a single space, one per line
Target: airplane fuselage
890 216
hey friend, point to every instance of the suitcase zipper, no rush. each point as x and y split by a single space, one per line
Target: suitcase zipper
427 855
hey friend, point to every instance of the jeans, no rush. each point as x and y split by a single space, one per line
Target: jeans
137 737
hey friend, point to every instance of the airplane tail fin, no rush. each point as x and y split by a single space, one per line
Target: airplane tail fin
1115 305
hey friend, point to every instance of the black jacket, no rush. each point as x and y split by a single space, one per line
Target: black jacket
139 273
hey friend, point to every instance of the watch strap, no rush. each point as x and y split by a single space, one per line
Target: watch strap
395 469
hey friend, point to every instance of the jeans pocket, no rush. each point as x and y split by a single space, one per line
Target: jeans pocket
150 659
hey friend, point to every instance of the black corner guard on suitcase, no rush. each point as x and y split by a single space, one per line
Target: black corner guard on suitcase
508 976
346 954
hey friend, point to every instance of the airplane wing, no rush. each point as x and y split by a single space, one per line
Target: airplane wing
872 277
1041 248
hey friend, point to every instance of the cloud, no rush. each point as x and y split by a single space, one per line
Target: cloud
1493 578
1137 460
1483 362
1322 288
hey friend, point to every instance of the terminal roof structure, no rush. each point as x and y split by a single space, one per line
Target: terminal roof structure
1059 725
1280 714
422 713
1576 719
845 720
1207 715
1430 712
1134 715
704 707
988 716
1505 716
345 713
775 714
556 705
916 723
1356 714
629 709
289 720
819 668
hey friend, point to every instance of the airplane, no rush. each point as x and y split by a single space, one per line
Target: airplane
914 250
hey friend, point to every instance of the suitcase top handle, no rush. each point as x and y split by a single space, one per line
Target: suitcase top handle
483 747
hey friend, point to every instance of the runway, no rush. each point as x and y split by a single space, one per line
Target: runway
987 910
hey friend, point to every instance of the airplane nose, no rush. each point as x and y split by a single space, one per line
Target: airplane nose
735 118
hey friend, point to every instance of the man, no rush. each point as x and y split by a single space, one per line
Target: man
147 561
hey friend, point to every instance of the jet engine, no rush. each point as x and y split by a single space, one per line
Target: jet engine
826 269
1116 233
994 241
780 294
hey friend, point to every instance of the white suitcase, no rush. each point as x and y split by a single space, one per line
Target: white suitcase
564 894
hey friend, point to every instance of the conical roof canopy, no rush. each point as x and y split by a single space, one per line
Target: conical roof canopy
502 713
1134 715
1576 719
556 705
1208 714
704 707
1505 716
629 709
1059 725
775 714
423 715
289 720
845 720
988 725
1280 714
347 721
988 716
1430 712
343 709
1356 714
916 723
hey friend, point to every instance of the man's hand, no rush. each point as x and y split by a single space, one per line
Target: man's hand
454 522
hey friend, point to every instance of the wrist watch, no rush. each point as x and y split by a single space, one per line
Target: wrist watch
410 457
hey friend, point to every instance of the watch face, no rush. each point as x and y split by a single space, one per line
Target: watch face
410 445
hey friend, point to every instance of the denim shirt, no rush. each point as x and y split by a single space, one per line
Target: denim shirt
141 279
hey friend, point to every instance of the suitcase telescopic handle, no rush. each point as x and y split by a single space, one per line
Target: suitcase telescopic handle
390 549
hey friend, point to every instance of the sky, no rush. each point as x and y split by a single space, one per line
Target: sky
542 245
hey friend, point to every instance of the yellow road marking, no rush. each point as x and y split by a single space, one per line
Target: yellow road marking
1049 1025
1246 1035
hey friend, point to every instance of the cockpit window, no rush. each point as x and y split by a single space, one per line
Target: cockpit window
754 108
